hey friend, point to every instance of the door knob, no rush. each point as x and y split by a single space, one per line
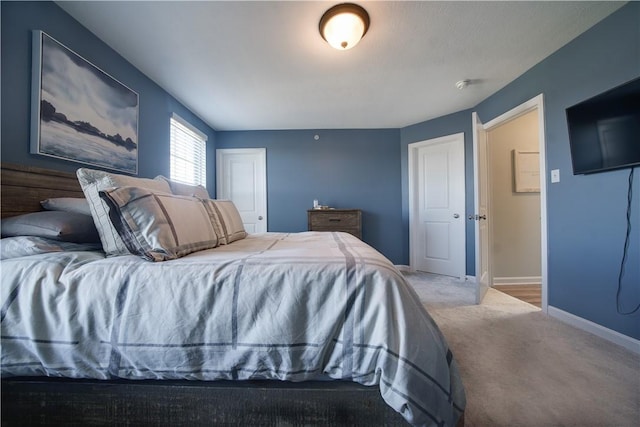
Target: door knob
260 218
456 216
477 217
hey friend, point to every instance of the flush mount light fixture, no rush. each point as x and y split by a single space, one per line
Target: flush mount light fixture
344 25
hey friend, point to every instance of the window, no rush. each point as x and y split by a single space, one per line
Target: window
188 153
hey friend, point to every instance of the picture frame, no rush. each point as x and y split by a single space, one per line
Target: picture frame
80 113
526 165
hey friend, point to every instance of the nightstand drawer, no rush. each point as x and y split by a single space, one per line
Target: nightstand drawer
331 219
347 220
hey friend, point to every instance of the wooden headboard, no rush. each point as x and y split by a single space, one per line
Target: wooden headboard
23 187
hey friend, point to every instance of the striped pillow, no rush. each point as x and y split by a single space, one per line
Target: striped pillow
159 226
226 220
92 181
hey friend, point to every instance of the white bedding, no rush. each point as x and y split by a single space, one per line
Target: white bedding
272 306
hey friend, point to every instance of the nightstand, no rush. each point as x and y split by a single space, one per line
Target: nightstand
347 220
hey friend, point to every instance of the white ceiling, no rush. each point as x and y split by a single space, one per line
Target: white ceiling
263 65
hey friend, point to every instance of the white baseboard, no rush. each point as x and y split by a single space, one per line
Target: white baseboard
625 341
530 280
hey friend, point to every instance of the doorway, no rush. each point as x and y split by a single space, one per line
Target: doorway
437 206
486 251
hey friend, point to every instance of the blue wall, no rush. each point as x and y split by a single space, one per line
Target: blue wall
155 105
343 169
442 126
586 214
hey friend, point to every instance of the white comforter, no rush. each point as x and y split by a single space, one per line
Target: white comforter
272 306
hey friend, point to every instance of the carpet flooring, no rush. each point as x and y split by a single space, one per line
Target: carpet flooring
523 368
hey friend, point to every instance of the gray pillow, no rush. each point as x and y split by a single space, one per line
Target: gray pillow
57 225
159 226
92 181
67 204
182 189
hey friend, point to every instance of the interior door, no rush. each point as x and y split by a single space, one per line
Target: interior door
241 177
439 243
481 170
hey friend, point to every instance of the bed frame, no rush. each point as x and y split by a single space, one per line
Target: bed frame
33 401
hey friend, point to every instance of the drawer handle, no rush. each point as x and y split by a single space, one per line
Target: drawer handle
334 220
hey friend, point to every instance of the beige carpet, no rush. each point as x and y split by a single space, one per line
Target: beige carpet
523 368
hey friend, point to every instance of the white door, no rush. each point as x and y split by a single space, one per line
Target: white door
241 177
483 264
438 205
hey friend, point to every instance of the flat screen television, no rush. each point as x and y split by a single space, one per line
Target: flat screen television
604 131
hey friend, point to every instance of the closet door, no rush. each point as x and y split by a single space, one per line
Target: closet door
241 177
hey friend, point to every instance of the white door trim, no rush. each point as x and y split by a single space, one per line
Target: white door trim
536 103
412 181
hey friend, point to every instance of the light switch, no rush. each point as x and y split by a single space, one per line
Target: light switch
555 175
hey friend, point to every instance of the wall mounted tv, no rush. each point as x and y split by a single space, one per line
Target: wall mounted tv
604 131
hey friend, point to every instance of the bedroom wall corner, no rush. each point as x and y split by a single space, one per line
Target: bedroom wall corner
343 168
441 126
586 213
155 104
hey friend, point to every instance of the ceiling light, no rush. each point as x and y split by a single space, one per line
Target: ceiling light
344 25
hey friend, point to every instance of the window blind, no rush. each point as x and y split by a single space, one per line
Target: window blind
188 153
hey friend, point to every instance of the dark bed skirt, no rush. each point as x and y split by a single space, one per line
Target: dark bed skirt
51 401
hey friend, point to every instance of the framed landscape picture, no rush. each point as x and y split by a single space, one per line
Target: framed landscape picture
526 171
79 112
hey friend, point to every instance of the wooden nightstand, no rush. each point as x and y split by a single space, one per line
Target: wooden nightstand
347 220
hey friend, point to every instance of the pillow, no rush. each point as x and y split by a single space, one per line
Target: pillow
57 225
182 189
159 226
15 247
226 221
67 204
92 181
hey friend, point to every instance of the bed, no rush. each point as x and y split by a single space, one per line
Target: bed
271 329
